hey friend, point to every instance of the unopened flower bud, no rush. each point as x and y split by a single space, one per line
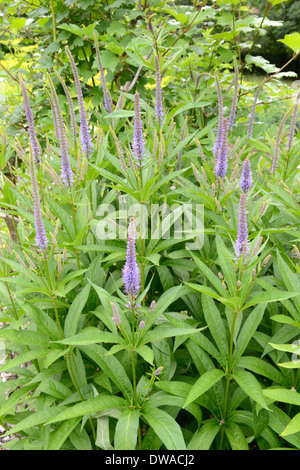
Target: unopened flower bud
266 260
158 371
152 306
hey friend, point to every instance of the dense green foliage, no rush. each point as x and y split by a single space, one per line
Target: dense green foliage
215 365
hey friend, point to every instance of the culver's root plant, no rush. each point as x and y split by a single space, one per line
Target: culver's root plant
149 272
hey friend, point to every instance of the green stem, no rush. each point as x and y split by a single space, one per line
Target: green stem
133 377
57 317
75 229
228 380
12 301
53 21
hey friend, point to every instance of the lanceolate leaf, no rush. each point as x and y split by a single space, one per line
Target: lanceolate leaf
165 427
251 386
126 430
75 310
204 383
99 403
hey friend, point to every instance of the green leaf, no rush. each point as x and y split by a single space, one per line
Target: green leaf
59 436
204 290
165 427
146 353
248 331
290 279
216 325
75 310
80 439
10 404
204 383
292 427
259 366
24 357
166 332
267 297
36 418
292 41
203 439
213 279
278 421
251 386
112 367
281 394
120 113
24 337
236 437
53 355
126 430
166 299
226 264
92 336
103 439
277 2
99 403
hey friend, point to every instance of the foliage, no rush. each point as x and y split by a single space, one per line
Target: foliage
196 352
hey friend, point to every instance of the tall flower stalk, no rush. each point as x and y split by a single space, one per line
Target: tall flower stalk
106 97
293 125
277 143
71 107
246 179
221 164
85 137
138 144
252 114
30 121
131 270
40 236
66 172
242 244
159 112
234 97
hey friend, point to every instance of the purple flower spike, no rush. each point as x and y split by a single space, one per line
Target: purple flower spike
152 306
277 143
131 271
71 106
85 137
242 238
293 125
116 318
106 98
31 129
221 165
66 172
142 325
40 237
246 180
159 112
138 144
